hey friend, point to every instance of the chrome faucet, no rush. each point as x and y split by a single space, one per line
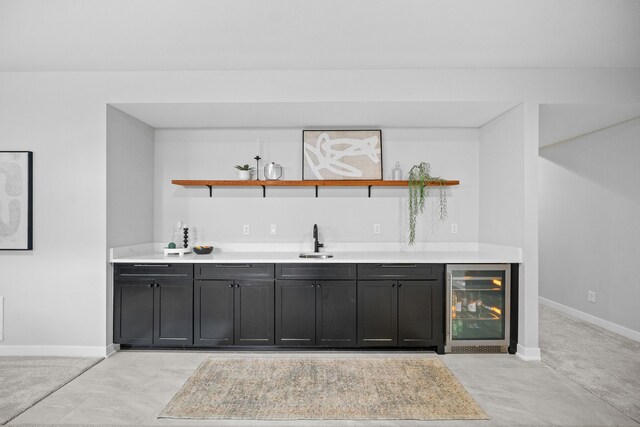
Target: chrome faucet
316 245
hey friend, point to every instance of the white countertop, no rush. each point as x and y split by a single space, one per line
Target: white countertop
448 253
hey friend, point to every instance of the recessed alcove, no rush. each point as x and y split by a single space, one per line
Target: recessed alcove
478 143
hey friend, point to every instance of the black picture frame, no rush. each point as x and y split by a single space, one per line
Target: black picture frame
17 195
372 171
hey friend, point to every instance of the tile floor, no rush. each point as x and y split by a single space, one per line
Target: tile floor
132 387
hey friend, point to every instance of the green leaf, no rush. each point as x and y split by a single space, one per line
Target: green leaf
418 178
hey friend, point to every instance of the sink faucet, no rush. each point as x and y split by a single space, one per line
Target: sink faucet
316 245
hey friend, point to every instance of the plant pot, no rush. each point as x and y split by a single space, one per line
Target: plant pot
244 175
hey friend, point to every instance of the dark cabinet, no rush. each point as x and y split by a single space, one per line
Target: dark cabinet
377 313
295 312
213 312
419 312
336 313
405 311
253 312
316 305
309 304
321 312
234 305
153 305
133 312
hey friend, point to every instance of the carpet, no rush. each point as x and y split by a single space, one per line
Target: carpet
604 363
25 380
323 388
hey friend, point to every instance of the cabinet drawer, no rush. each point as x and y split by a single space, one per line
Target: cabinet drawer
400 271
233 271
315 271
153 270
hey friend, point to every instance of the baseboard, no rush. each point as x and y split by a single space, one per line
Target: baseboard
68 351
604 324
112 349
528 354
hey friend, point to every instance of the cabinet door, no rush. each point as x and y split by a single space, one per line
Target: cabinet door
254 308
295 312
133 312
377 313
336 313
173 312
213 312
419 313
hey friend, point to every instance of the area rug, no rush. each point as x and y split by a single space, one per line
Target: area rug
323 389
26 380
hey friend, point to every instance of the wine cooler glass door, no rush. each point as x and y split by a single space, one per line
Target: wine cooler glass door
478 305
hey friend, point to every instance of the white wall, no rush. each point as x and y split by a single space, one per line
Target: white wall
129 180
502 179
278 34
589 230
129 189
342 214
508 205
55 295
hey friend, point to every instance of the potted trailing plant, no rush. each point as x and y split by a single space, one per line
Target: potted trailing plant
418 179
244 172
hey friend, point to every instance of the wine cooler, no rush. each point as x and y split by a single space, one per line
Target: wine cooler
478 298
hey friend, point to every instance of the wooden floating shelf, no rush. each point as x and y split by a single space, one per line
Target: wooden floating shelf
298 183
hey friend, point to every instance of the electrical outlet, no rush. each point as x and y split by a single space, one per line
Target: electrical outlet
273 229
245 230
591 296
454 228
376 228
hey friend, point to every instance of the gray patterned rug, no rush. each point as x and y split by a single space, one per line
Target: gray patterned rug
323 388
26 380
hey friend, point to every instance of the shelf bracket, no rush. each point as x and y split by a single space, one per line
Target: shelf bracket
316 191
369 190
264 191
210 190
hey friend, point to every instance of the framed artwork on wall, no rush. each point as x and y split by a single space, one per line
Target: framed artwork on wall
342 154
16 200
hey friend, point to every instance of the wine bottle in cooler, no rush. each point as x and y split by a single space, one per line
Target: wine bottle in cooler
471 304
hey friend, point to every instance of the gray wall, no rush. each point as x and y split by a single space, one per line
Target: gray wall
61 117
589 223
129 180
342 214
502 180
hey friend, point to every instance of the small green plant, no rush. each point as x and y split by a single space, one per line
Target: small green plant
242 167
419 177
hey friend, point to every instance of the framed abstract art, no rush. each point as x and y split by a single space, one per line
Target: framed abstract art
342 154
16 200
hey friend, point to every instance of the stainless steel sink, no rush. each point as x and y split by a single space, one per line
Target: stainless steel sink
316 255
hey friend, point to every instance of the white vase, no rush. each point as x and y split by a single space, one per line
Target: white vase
244 175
